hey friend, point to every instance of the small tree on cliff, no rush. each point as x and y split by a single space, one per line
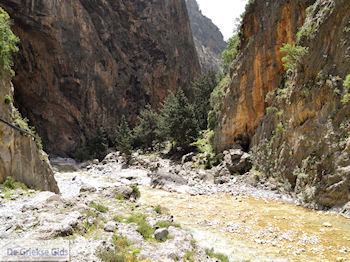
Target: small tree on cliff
229 55
8 43
177 120
124 138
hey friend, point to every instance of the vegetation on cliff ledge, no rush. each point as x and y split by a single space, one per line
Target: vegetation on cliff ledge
8 43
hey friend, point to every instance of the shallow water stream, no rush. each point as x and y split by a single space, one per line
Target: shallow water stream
248 229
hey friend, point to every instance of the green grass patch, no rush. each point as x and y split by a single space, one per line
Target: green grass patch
89 213
123 252
144 228
219 256
119 219
136 191
189 256
7 99
158 209
99 207
119 197
11 183
135 218
163 224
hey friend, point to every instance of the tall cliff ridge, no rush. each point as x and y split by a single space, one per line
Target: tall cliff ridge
295 119
258 70
208 39
19 154
83 64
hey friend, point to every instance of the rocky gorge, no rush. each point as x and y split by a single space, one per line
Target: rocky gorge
268 181
98 200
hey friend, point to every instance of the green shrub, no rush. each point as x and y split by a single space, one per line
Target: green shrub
189 256
8 43
145 230
124 137
7 99
122 251
163 224
136 191
99 207
9 182
205 151
293 56
119 197
158 209
219 256
262 157
136 218
346 86
229 55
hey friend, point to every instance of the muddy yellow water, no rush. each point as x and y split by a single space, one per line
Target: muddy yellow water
249 229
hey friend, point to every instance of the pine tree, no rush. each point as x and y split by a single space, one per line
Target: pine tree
177 120
145 132
203 87
124 137
98 145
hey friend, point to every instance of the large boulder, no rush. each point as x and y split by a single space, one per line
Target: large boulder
237 161
126 191
161 234
162 177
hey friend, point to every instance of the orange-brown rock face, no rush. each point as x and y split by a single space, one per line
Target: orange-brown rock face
83 64
258 70
305 140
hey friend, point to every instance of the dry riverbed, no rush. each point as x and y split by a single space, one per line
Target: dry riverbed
243 222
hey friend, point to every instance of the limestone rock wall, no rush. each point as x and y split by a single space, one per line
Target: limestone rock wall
266 26
300 133
308 126
208 39
19 154
84 63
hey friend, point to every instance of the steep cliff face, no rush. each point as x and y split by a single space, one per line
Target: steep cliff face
266 26
296 122
19 154
83 64
207 37
306 134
